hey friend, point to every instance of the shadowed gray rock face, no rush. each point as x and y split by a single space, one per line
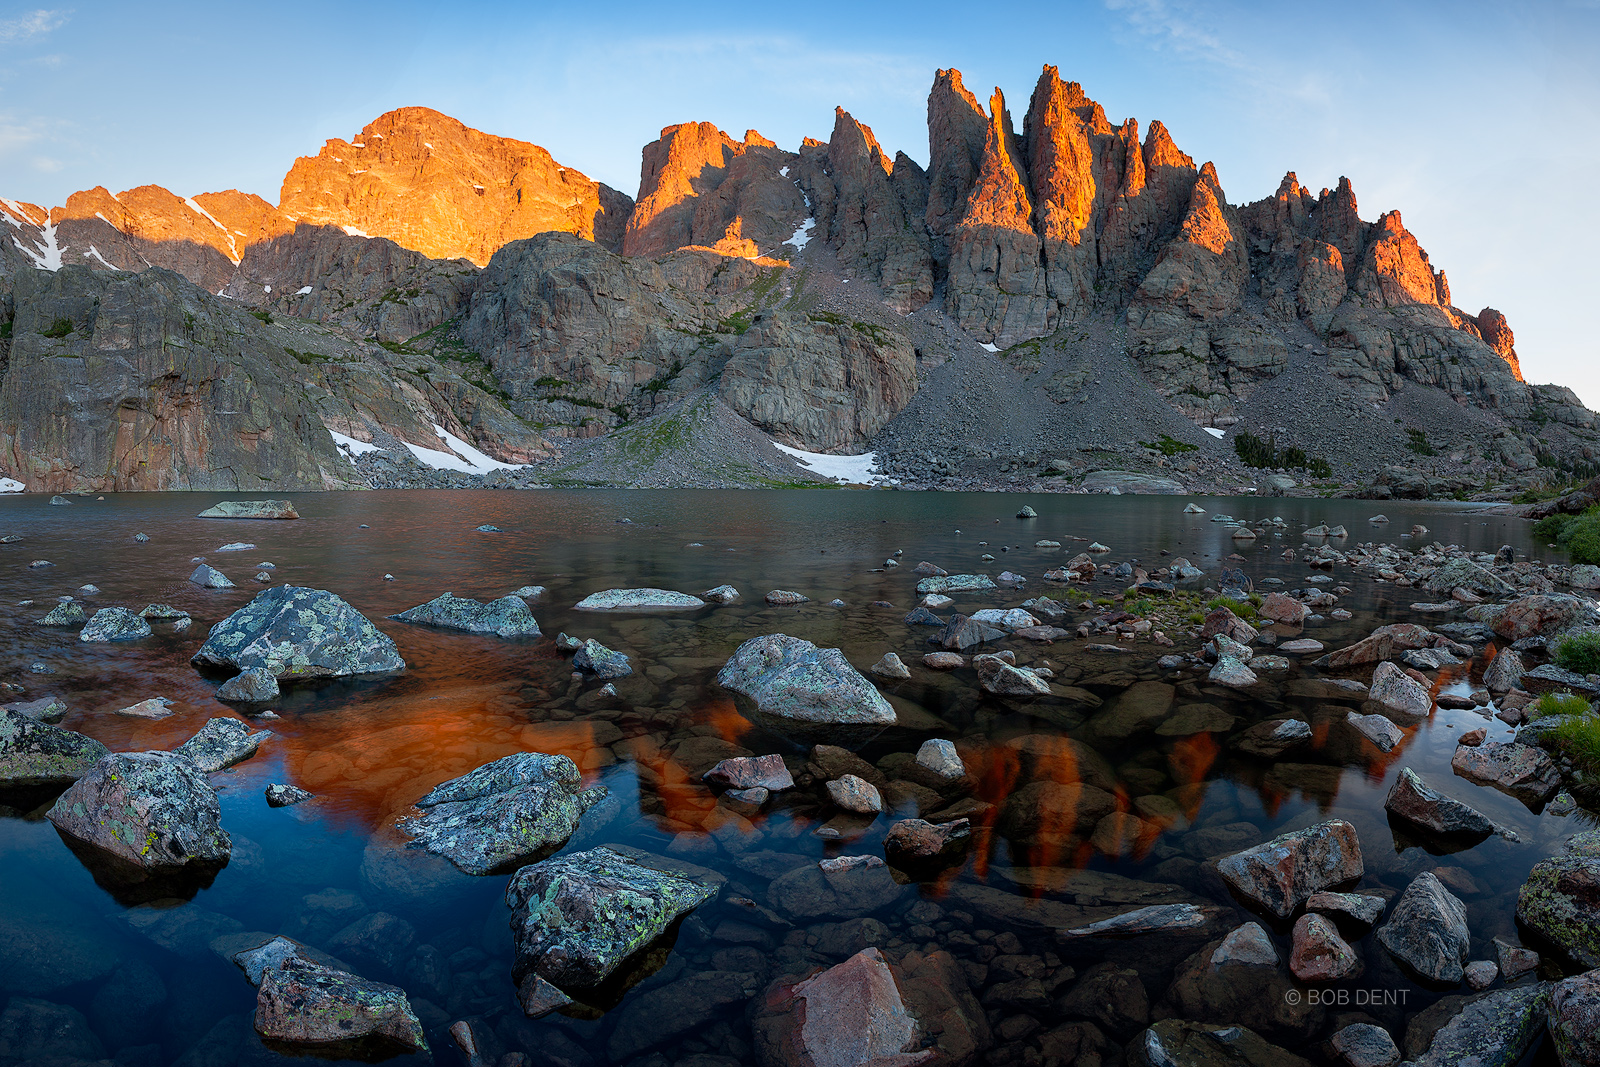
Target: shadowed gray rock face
1496 1030
1427 931
299 634
34 753
506 617
600 661
1283 873
575 919
504 814
304 1006
152 810
792 686
1561 899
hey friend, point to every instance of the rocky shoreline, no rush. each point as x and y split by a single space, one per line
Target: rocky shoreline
1230 947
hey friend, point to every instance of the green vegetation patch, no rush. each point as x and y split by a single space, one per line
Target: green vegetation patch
1578 534
1168 446
57 329
1418 443
1579 653
264 315
1254 452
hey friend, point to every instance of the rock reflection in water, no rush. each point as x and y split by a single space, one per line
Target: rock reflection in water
1114 794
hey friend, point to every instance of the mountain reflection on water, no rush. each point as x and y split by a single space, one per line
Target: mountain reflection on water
369 749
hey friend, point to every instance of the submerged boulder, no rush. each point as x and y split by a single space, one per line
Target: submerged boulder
254 685
303 1006
34 753
576 918
251 509
154 811
790 685
297 633
600 661
506 617
504 814
1494 1030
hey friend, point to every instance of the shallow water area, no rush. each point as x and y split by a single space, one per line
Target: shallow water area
148 982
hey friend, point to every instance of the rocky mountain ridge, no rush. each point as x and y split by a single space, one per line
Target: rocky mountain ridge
1068 299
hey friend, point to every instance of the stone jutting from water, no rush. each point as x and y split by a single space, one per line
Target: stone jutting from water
34 753
283 796
751 772
1560 901
153 810
299 633
789 684
638 600
1283 873
506 617
221 743
306 1007
1495 1030
1175 1043
576 918
208 577
68 614
852 1013
1427 931
114 624
504 814
255 685
955 583
601 661
251 509
1517 770
1418 803
1574 1019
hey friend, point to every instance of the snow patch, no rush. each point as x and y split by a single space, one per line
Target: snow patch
266 288
989 348
351 445
479 460
353 232
49 258
428 146
94 253
853 470
357 144
11 485
783 172
303 290
1213 431
802 236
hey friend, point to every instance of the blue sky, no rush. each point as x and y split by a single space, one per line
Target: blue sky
1480 121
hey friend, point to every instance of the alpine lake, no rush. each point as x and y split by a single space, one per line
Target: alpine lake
106 977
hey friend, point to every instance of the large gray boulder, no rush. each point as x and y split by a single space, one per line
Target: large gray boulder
34 753
504 814
303 1006
299 634
67 613
1427 931
1560 900
600 661
1465 574
1494 1030
956 583
1282 874
506 617
638 600
114 624
1518 770
153 811
253 685
1574 1019
576 918
251 509
793 687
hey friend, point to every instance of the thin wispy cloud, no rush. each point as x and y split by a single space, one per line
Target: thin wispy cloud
33 25
1178 26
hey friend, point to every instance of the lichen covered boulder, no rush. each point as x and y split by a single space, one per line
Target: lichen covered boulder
34 753
504 814
638 600
114 624
304 1006
790 685
506 617
1560 901
1283 873
576 918
251 509
297 634
151 810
